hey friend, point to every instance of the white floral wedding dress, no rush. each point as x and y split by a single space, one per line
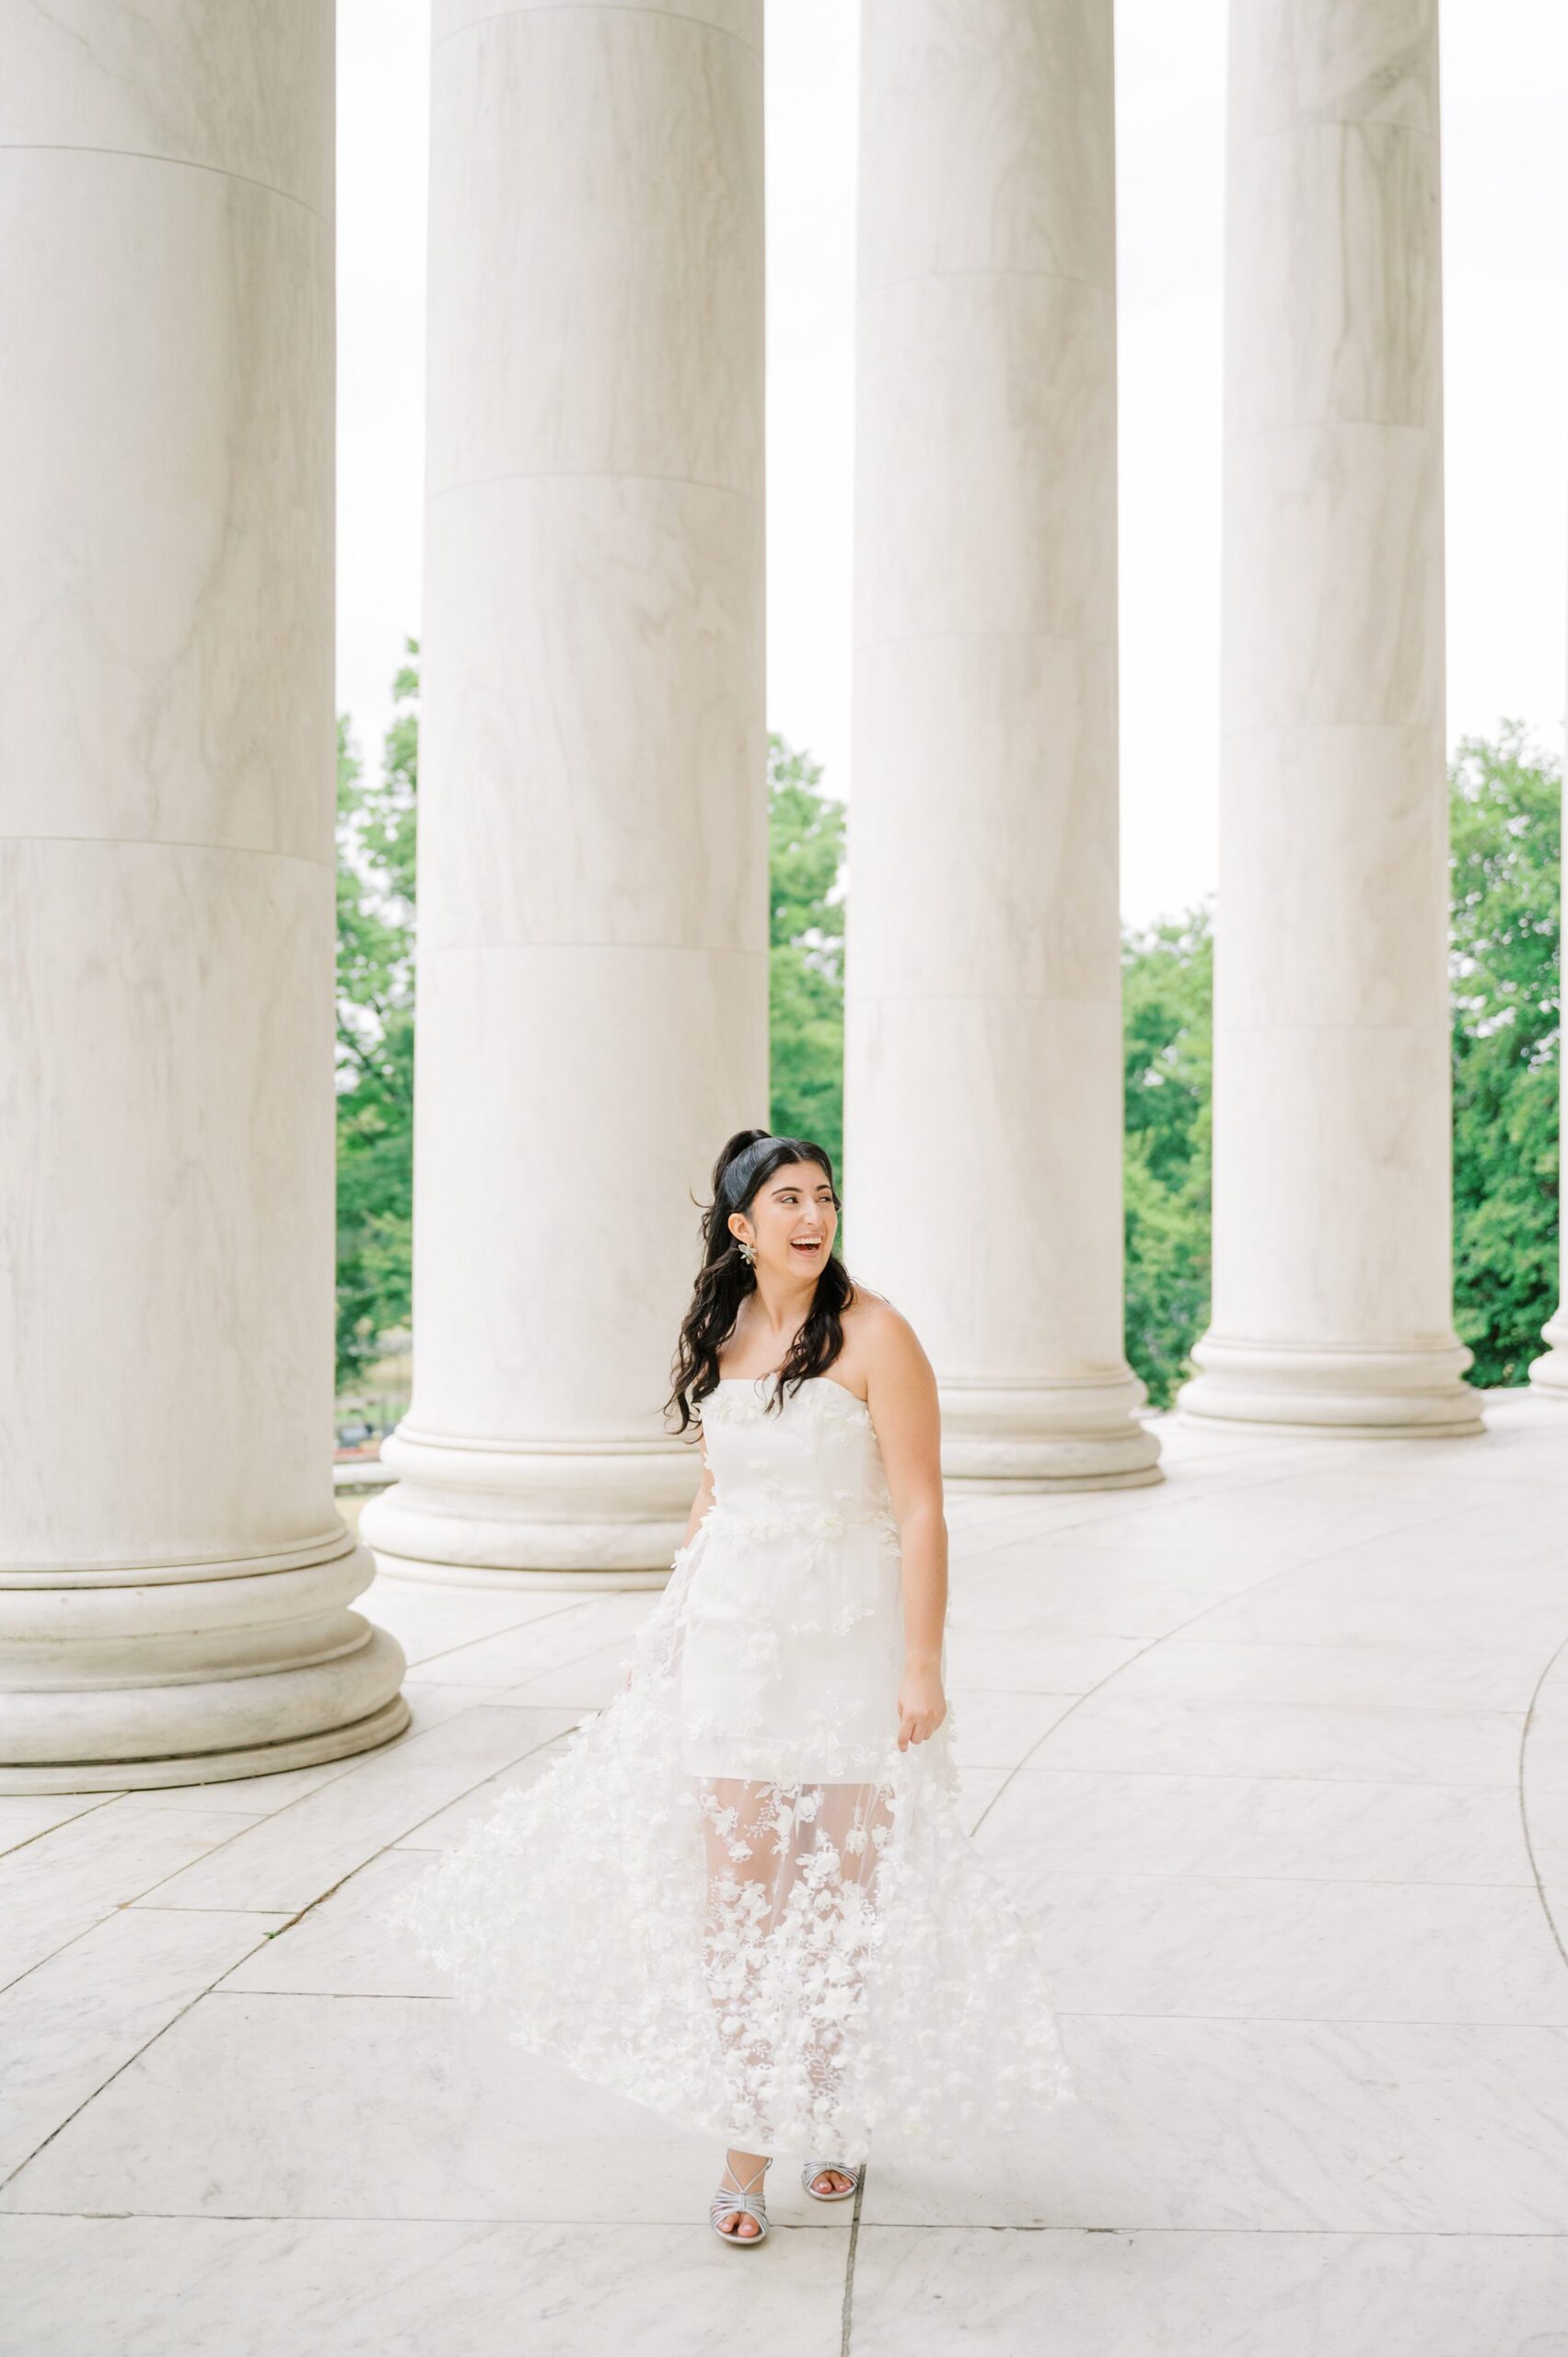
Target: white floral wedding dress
731 1897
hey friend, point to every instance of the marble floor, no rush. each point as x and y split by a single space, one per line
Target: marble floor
1277 1755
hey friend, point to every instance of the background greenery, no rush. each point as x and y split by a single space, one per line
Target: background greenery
376 920
1504 961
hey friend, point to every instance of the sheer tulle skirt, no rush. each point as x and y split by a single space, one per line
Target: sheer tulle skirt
794 1963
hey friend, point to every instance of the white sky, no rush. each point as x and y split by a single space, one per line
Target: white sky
1505 252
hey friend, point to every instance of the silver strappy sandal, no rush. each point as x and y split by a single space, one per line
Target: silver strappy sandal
813 2170
749 2200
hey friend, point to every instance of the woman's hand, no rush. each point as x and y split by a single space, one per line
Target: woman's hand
922 1704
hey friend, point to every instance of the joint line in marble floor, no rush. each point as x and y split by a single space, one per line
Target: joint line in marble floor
1523 1806
846 2321
60 2125
1250 1589
810 2226
146 1907
275 1817
215 1988
330 1996
1262 1776
1309 1882
80 1818
136 1899
513 1627
1326 2021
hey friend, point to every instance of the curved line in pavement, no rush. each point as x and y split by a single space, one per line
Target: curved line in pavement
1552 1924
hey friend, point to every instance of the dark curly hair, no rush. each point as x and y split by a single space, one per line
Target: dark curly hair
748 1162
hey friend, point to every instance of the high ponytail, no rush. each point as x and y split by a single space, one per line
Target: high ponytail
748 1160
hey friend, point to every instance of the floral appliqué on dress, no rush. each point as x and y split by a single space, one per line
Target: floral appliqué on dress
731 1896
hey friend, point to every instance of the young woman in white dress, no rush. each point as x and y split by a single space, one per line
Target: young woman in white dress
741 1895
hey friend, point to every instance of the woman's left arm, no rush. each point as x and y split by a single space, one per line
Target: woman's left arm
902 1391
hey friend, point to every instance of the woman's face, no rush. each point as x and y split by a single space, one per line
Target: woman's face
791 1221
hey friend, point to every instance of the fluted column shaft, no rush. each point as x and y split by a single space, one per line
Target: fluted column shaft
174 1576
984 1052
593 893
1333 1227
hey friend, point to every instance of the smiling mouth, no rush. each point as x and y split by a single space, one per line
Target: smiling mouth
806 1244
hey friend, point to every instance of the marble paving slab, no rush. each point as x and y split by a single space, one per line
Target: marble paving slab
992 1660
428 1620
1344 1829
1393 1746
1343 2127
999 1730
24 1815
338 1949
188 2287
61 1884
1429 1677
450 1825
1287 1950
265 2106
550 1640
1286 1612
919 2291
587 1684
1248 1745
254 1796
286 1861
70 2024
1040 1600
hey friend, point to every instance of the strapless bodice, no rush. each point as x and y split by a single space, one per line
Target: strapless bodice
814 1459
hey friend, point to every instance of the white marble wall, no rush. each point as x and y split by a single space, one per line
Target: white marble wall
174 1576
1331 1293
983 1051
593 919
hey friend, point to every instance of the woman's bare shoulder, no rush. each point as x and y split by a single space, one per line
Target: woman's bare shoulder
880 1337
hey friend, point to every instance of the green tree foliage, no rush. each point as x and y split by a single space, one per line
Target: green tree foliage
806 984
1507 835
375 922
1167 982
1505 964
1505 829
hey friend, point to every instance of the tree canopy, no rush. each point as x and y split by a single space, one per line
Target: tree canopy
806 971
376 1008
1505 820
1505 959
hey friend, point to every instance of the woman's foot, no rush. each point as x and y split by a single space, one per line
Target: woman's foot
831 2181
743 2172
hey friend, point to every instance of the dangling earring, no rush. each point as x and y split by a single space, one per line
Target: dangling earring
748 1255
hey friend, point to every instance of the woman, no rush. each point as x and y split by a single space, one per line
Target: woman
742 1895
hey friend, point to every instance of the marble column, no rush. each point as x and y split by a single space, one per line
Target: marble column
1550 1372
983 1048
1333 1287
175 1580
593 884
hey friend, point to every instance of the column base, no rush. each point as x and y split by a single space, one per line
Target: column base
551 1514
1081 1434
1550 1372
1368 1394
125 1678
213 1767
